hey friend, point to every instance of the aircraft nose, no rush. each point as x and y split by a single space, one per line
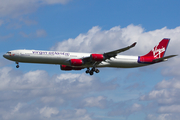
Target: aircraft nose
4 55
7 55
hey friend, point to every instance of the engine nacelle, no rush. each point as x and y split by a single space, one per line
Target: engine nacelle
97 57
64 67
76 62
68 68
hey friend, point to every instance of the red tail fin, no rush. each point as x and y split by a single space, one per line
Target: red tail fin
157 52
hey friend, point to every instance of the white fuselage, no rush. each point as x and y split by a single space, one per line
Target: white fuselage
62 58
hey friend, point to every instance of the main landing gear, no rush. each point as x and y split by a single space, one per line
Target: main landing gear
91 72
17 66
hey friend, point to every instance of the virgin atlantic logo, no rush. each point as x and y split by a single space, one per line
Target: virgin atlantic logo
157 52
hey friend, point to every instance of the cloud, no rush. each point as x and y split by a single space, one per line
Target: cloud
23 111
17 8
170 109
14 13
164 96
126 110
54 1
164 100
165 92
47 111
97 40
92 101
39 79
162 117
173 67
100 102
4 62
37 95
165 84
156 94
41 33
21 7
77 114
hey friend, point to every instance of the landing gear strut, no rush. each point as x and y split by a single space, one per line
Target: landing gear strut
17 66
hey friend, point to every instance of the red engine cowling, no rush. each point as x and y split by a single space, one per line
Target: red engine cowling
76 62
97 57
68 68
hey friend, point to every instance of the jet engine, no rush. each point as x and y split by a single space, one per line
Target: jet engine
68 68
76 62
64 67
97 57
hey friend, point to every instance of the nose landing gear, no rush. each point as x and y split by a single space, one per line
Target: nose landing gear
17 66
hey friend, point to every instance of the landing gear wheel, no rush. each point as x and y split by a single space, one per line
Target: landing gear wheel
96 70
17 66
91 72
87 71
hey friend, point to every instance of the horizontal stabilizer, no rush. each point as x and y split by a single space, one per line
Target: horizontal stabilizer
163 58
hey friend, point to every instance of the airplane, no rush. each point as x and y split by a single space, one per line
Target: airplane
77 61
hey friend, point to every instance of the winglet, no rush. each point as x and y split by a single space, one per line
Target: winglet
133 44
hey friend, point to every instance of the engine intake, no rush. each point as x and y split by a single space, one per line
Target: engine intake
97 57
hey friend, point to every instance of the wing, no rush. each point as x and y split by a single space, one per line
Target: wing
115 52
108 55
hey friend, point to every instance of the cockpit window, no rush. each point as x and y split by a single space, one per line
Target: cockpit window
8 52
